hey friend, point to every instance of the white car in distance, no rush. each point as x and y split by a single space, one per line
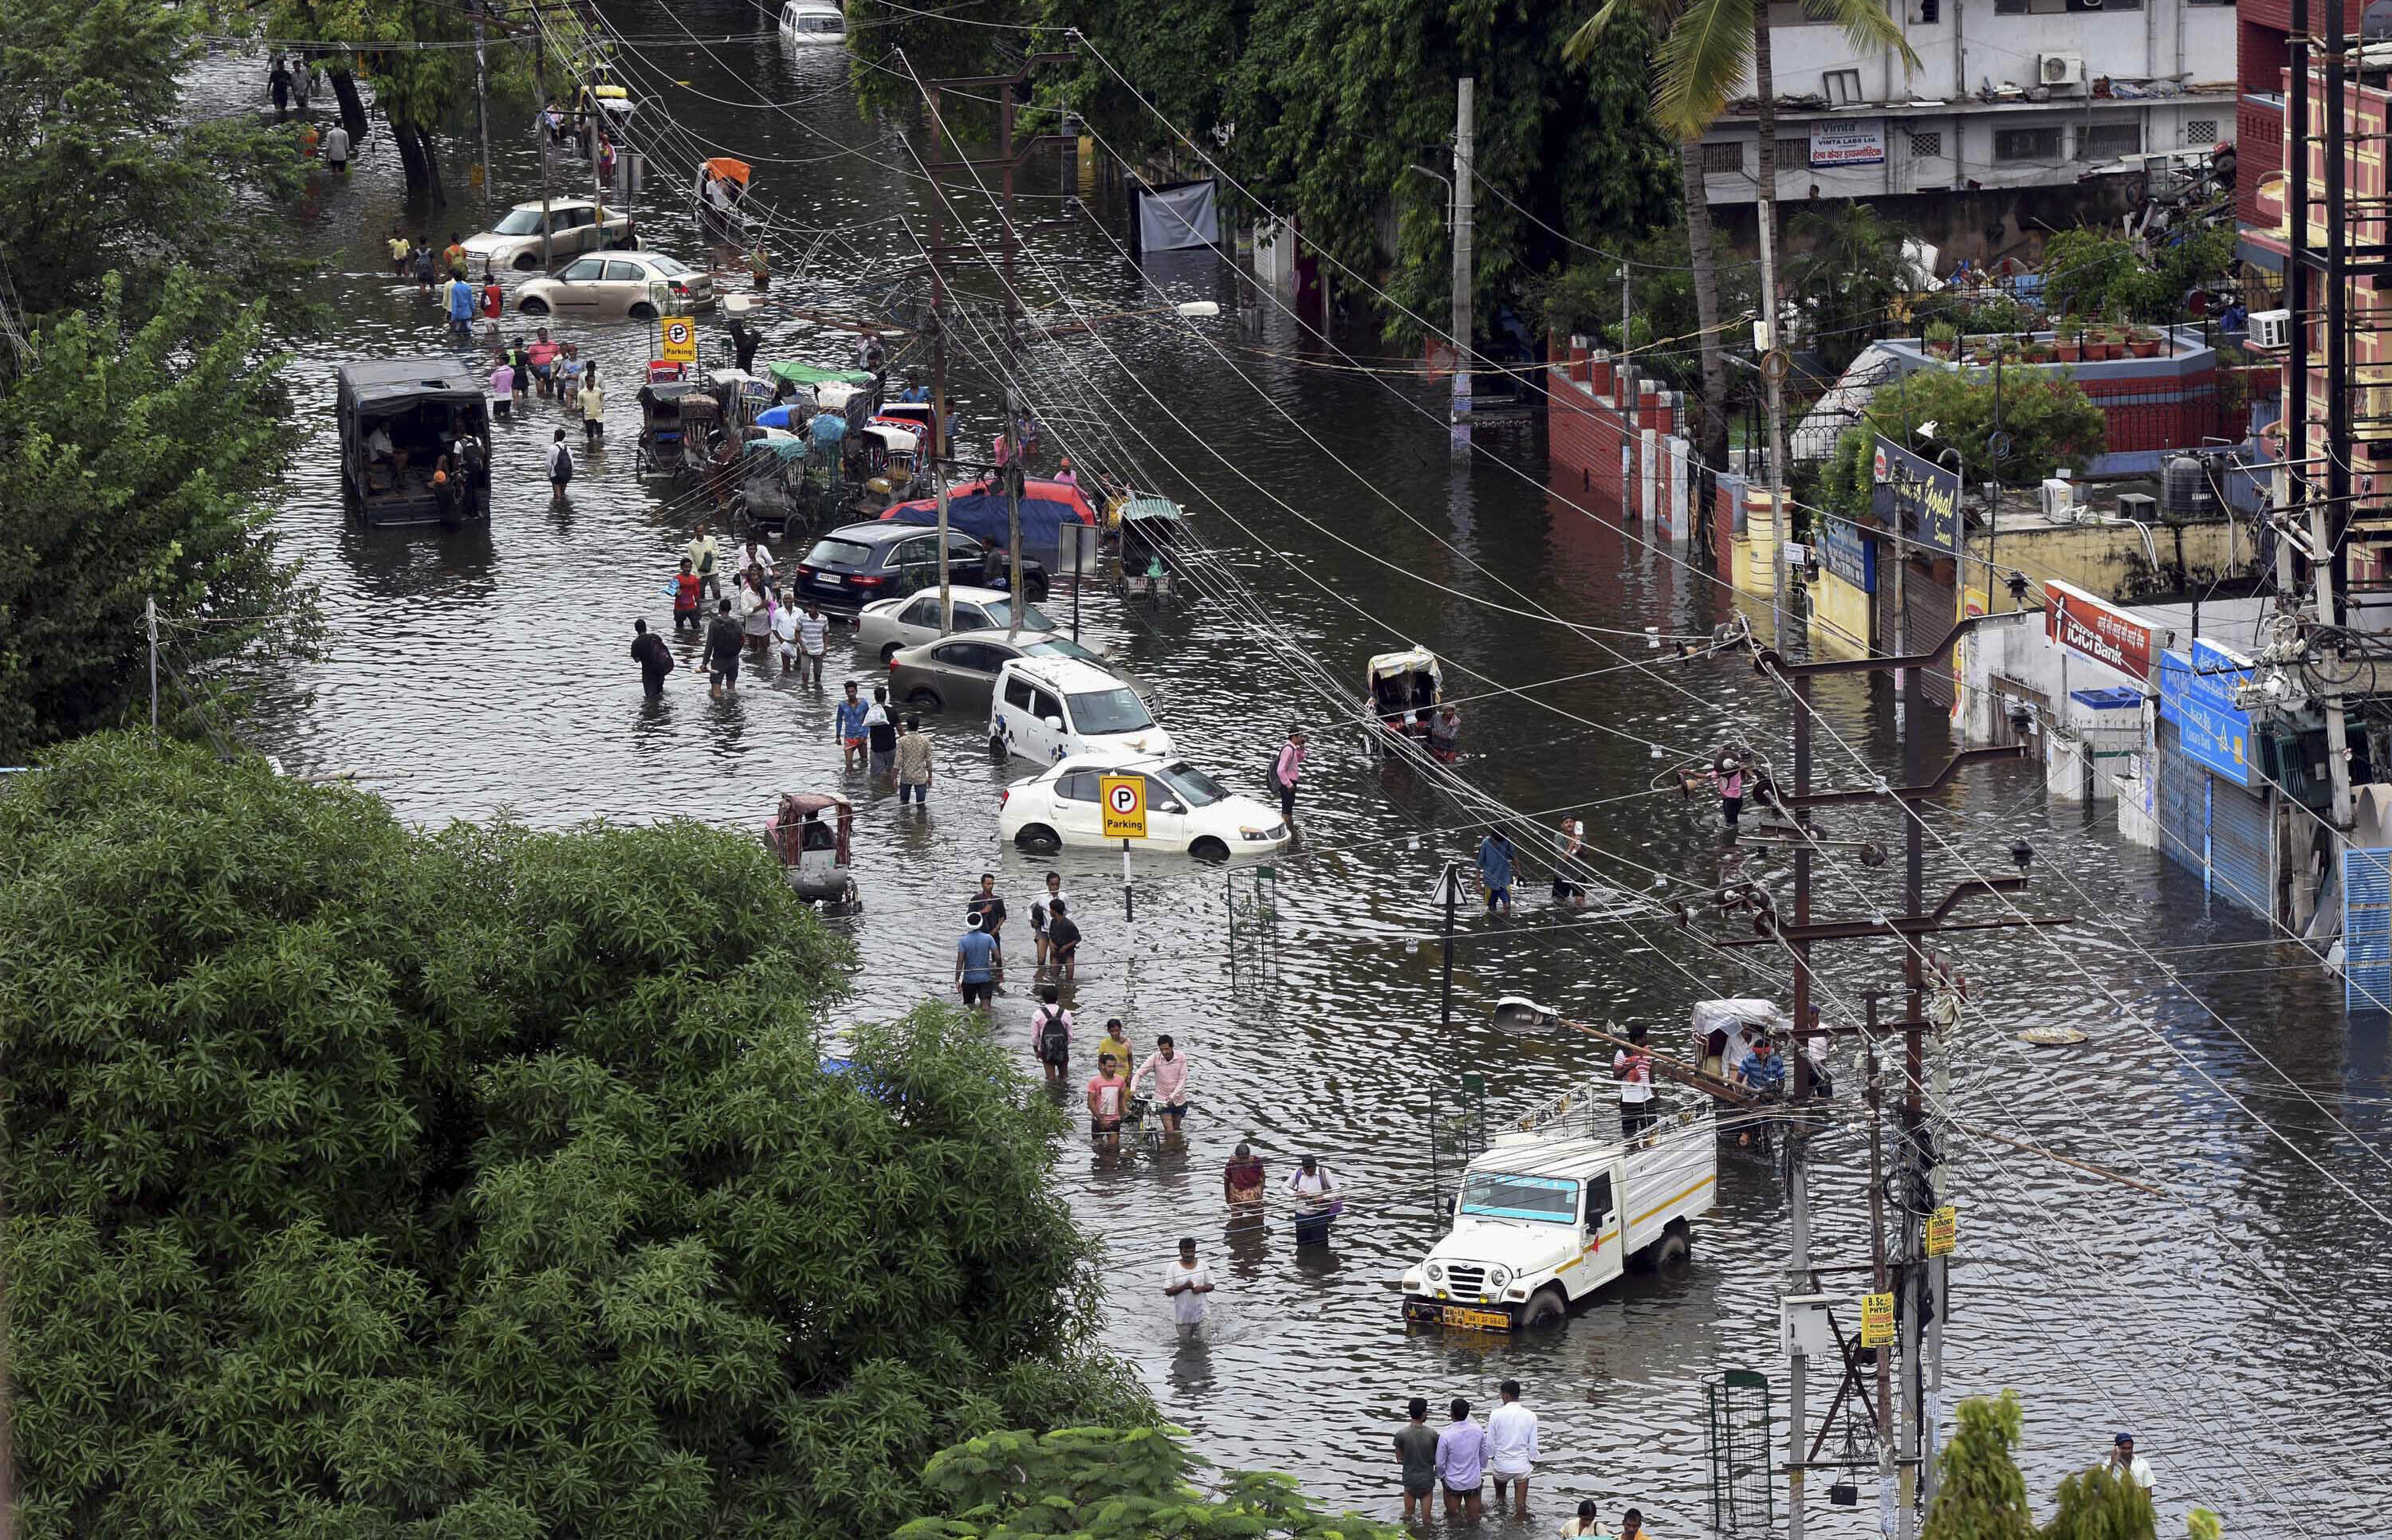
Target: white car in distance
1186 811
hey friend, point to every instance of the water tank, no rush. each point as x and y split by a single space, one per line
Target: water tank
2184 488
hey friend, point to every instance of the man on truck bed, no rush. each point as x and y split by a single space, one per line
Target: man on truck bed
1633 1067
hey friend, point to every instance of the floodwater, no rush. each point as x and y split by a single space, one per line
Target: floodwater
2202 1307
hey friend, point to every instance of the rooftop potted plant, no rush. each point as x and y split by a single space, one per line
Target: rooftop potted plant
1939 337
2144 343
2068 341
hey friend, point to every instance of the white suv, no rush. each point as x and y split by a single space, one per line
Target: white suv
1050 709
1186 809
575 225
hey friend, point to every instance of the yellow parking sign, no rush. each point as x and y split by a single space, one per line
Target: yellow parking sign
677 340
1123 799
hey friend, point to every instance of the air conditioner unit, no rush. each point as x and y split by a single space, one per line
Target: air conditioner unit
2060 71
2271 329
2059 500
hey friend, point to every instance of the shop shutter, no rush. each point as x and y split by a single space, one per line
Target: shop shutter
1932 611
2183 804
2366 929
2242 864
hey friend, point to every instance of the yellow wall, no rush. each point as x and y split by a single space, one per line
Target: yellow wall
1756 549
1843 618
2111 560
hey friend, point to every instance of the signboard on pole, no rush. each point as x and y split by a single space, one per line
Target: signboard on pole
1123 800
677 340
1848 142
1926 496
2088 624
2197 694
1942 1231
1877 1320
1848 553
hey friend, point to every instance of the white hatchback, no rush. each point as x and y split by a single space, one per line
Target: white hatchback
1186 809
1051 709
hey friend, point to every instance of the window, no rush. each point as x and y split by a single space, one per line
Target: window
1000 612
2063 7
1200 789
1159 795
518 222
1926 146
1078 786
1060 647
666 268
585 271
1114 710
1723 160
1793 153
922 611
1929 13
1045 707
1843 88
971 618
2026 144
1598 1201
2108 141
1017 692
1500 1196
625 272
2201 131
833 553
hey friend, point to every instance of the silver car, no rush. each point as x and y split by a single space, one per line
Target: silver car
958 673
886 624
574 225
614 285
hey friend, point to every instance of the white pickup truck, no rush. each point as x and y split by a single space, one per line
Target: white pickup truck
1544 1219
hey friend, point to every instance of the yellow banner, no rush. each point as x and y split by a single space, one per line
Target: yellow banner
1877 1320
1942 1231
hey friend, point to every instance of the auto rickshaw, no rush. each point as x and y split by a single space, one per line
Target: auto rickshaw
770 495
1403 690
880 464
1152 530
814 849
661 427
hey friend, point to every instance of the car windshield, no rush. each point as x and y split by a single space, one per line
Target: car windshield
1059 647
839 553
666 268
518 222
1114 710
1000 612
1498 1195
1199 789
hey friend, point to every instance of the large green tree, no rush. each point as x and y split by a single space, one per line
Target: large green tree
2050 423
486 1183
1102 1483
1981 1495
2099 1504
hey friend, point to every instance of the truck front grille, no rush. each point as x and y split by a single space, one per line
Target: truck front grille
1466 1280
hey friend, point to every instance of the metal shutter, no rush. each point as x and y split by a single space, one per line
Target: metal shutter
1933 608
2366 929
2183 804
2242 864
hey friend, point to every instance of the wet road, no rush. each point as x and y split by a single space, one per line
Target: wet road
485 672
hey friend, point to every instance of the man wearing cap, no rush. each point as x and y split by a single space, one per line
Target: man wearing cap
1185 1283
2127 1465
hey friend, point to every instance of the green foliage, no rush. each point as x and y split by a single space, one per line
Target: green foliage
2099 1504
103 168
1982 1495
135 461
1707 53
1101 1484
486 1183
2050 420
2091 272
1844 274
1665 331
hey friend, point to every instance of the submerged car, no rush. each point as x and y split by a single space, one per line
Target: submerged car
885 625
638 285
575 225
959 673
1186 809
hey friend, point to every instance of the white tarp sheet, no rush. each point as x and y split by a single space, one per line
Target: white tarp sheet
1178 218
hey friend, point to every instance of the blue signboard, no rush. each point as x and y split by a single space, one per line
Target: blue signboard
1848 553
1926 496
2197 694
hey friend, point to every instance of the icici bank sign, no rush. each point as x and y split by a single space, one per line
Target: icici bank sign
2083 623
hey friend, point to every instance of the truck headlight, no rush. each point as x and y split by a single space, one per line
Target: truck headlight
1436 1272
1499 1276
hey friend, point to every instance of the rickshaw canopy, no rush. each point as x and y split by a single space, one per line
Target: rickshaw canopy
807 374
785 446
724 167
1416 660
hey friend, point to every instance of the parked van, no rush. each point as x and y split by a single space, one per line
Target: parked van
1049 709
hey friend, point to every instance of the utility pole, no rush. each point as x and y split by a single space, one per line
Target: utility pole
1885 1471
547 151
946 591
1774 364
2329 523
1449 890
1623 309
482 103
1465 157
1011 471
150 612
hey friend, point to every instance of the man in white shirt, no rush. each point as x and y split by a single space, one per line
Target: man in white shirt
1185 1283
1511 1447
811 631
756 556
2124 1463
336 149
379 451
1633 1067
785 632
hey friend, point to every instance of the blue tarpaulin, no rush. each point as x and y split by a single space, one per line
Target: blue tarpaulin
977 510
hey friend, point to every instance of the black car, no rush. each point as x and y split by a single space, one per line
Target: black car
851 566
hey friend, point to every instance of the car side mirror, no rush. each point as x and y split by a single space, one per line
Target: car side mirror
1174 807
1448 1205
1055 724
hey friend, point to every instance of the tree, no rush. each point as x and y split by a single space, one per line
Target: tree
484 1183
134 462
2050 420
1845 277
1982 1495
1103 1483
1709 48
2090 272
2099 1504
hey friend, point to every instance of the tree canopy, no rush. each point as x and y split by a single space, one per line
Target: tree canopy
2050 420
1103 1483
1981 1495
2099 1504
369 1182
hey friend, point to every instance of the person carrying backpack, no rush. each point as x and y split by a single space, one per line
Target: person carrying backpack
1051 1034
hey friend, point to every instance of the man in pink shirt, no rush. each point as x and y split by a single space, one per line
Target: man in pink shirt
1285 773
1169 1067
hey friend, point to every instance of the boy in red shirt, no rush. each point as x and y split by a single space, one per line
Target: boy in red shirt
685 599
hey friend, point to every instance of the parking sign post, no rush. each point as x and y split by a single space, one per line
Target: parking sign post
1122 801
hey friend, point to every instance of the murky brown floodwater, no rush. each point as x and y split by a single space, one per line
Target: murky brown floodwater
485 672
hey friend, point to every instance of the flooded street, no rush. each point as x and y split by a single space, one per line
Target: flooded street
485 672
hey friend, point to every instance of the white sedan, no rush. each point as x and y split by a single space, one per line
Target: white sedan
908 620
1186 809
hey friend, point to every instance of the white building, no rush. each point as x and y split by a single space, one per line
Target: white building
2074 84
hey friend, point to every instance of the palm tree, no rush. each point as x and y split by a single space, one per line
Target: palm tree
1709 48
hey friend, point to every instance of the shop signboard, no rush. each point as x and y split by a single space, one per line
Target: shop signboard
2085 623
1925 496
2197 694
1848 142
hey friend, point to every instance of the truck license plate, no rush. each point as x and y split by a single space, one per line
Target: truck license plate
1475 1320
